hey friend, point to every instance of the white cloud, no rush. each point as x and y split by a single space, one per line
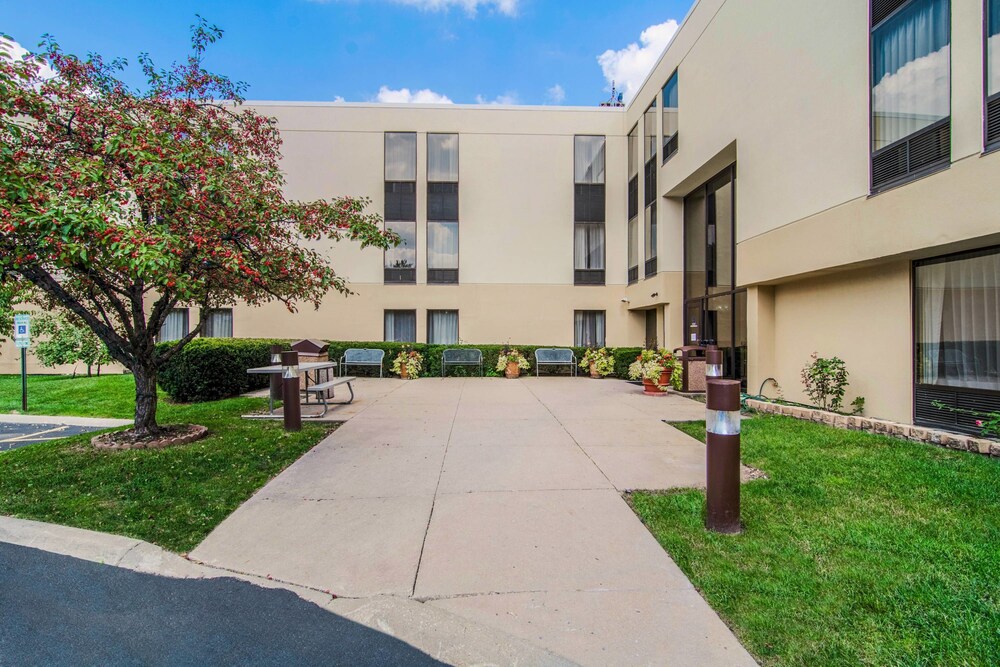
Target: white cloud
628 67
387 95
339 99
505 7
509 98
17 52
556 94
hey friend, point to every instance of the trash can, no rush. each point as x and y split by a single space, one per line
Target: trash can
312 351
692 358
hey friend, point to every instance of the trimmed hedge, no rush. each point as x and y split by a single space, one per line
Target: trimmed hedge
209 369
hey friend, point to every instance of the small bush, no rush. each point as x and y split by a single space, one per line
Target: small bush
208 369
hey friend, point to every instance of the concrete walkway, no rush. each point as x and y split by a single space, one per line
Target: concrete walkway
498 501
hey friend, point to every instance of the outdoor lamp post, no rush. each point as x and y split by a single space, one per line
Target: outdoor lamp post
713 363
291 409
276 351
722 426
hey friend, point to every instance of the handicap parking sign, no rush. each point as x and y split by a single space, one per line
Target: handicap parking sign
22 330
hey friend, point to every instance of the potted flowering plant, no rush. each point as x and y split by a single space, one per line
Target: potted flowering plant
512 362
600 362
408 363
658 370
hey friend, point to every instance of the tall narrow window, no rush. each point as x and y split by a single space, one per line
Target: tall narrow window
175 326
442 208
633 205
401 205
442 327
650 141
911 89
588 328
219 323
992 73
401 326
957 329
670 117
589 210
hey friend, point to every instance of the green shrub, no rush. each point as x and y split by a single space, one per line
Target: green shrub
624 356
208 369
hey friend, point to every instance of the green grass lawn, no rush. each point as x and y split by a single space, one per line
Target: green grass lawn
172 497
858 549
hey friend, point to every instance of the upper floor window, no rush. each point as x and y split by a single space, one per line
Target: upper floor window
992 73
911 88
400 156
588 159
401 205
649 132
589 210
442 158
442 208
633 172
670 117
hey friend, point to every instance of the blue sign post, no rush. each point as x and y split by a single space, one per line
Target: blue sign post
22 339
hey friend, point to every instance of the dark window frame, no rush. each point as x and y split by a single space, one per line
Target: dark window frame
988 399
670 144
590 207
392 275
458 329
731 358
385 336
990 102
876 188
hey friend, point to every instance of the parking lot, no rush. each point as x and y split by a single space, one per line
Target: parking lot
30 433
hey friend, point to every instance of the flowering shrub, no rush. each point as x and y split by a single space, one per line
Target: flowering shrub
508 355
603 362
989 422
825 381
650 364
408 359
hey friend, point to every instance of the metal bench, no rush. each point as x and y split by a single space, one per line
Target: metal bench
320 391
554 356
461 357
362 357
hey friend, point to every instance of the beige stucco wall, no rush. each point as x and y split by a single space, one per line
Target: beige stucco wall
863 317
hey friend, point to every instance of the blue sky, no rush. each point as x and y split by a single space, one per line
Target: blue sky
468 51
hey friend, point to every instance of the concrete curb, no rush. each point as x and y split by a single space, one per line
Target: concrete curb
64 421
445 636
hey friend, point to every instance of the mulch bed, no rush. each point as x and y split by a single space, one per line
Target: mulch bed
169 436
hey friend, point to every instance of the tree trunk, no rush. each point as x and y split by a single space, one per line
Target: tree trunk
145 401
89 374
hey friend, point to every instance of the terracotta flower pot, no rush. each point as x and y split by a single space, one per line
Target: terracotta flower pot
513 370
650 387
402 372
593 371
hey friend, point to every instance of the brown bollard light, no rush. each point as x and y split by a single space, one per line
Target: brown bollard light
713 362
722 426
276 351
291 408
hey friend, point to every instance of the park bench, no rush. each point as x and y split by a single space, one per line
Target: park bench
554 356
320 391
362 357
461 357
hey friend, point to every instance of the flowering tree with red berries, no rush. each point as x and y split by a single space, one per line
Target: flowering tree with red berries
119 204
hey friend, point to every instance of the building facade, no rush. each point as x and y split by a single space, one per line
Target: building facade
792 177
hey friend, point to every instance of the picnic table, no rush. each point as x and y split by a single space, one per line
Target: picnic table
307 368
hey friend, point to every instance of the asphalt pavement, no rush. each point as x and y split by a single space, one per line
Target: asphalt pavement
14 435
58 610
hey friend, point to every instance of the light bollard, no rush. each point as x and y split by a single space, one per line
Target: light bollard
713 363
291 408
276 351
722 438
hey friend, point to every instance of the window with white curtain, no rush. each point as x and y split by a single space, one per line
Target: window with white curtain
442 245
588 329
442 327
175 326
911 70
442 158
588 246
958 321
588 159
401 326
400 156
218 323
